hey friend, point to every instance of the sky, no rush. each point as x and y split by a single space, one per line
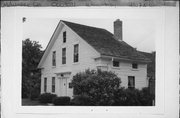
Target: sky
139 33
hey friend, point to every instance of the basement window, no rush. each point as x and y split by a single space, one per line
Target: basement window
115 63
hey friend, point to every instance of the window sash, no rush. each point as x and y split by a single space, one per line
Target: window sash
63 55
76 53
64 37
131 82
76 58
53 84
45 85
54 58
70 85
115 63
134 65
63 60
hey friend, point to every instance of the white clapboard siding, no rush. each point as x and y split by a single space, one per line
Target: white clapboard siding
88 59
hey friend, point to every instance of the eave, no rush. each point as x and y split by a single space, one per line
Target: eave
124 58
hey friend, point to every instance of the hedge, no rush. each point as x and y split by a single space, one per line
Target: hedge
47 97
65 100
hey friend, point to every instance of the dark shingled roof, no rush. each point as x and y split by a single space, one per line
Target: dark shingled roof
104 42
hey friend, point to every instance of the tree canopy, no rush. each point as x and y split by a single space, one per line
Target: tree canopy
31 55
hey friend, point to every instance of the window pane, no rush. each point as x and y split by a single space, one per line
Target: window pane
70 85
76 53
131 82
54 58
64 60
64 56
53 84
115 63
64 52
135 65
64 37
45 85
76 58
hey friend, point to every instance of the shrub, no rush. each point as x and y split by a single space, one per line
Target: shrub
133 97
119 97
35 94
46 97
65 100
127 97
82 100
146 97
102 88
97 85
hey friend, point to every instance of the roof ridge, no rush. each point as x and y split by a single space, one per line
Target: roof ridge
83 25
104 41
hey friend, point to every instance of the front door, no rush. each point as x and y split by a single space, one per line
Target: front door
63 86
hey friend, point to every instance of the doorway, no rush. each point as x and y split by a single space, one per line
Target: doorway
63 86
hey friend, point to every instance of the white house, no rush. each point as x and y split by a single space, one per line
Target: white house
74 48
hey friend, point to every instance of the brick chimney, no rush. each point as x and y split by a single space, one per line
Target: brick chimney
118 30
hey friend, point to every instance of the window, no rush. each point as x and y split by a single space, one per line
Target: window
54 58
76 53
70 85
134 65
115 63
63 55
53 84
64 37
45 85
131 82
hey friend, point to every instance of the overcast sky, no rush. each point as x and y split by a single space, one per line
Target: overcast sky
138 33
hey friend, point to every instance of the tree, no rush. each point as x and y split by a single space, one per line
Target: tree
98 85
31 55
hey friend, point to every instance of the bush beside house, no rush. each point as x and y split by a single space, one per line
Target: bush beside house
47 98
65 100
102 88
82 100
146 97
98 86
122 97
133 97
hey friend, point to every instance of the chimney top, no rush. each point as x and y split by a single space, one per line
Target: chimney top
118 30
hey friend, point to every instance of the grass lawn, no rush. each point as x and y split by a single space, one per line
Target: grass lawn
28 102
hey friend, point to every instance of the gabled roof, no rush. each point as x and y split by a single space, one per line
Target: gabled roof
104 42
100 39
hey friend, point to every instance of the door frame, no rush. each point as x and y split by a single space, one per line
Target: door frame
62 76
63 88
